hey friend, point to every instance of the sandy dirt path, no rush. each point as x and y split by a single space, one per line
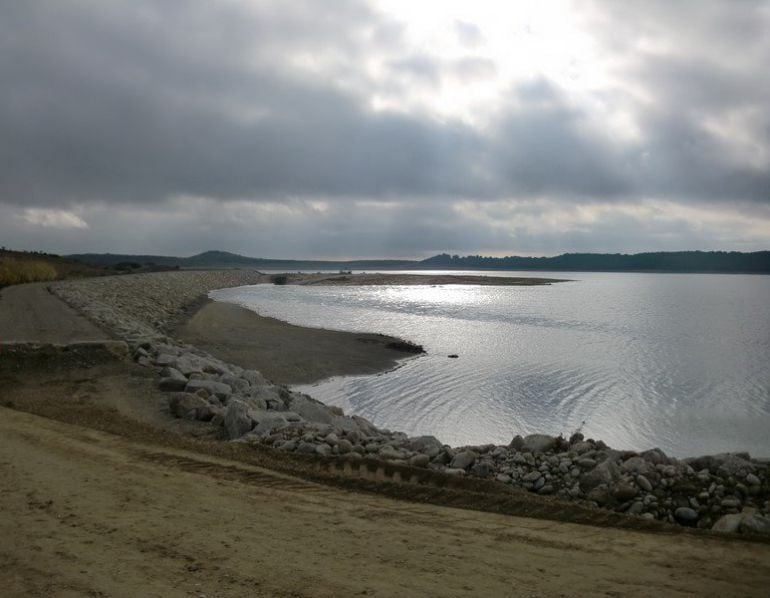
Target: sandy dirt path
28 312
86 513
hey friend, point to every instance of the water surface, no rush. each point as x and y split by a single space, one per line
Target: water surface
678 361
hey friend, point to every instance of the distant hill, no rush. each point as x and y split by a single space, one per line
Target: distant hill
224 259
663 261
672 261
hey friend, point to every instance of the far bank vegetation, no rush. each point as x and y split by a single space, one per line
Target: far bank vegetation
13 271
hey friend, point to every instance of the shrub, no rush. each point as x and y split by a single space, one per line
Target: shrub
13 271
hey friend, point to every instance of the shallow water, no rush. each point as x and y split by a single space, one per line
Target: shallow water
678 361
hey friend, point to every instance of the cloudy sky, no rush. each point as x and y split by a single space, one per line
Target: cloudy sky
384 128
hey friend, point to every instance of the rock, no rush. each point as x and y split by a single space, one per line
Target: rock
482 469
464 459
728 524
323 449
624 492
187 406
268 422
454 471
753 523
604 473
188 364
237 419
644 483
429 445
655 456
217 389
344 446
307 448
419 460
581 447
686 515
731 503
752 480
172 380
253 377
600 495
503 478
389 453
637 465
539 443
234 382
586 463
165 360
310 409
532 476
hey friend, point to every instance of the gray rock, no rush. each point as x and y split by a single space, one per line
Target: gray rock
624 492
685 515
753 523
323 449
728 524
532 476
217 389
731 503
604 473
600 495
482 469
187 406
344 446
586 463
164 360
253 377
644 483
539 443
388 453
307 448
172 379
655 456
188 364
637 465
237 419
429 445
455 471
311 410
752 480
419 460
234 382
464 459
582 446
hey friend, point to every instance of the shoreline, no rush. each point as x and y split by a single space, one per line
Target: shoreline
721 492
286 353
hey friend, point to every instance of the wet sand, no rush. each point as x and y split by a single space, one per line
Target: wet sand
284 353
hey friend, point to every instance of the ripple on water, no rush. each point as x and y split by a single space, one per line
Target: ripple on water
676 361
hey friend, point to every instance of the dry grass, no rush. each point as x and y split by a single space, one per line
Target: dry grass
13 271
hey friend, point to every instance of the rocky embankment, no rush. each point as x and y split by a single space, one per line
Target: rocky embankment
729 492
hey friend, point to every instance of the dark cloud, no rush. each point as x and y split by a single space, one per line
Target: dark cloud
139 103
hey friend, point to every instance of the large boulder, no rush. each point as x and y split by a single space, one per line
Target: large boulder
253 377
539 443
172 379
188 406
605 473
464 459
311 410
428 445
217 389
237 419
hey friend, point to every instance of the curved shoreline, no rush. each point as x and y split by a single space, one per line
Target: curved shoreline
723 492
283 352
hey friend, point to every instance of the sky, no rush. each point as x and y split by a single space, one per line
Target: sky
384 128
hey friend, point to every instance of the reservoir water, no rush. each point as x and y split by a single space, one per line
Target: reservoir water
678 361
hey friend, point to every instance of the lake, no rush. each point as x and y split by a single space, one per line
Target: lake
678 361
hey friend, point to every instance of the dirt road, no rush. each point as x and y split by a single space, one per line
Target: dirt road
86 513
28 312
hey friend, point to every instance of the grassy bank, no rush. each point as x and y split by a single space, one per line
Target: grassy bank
14 271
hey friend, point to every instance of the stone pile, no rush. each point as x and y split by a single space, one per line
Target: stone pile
729 492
